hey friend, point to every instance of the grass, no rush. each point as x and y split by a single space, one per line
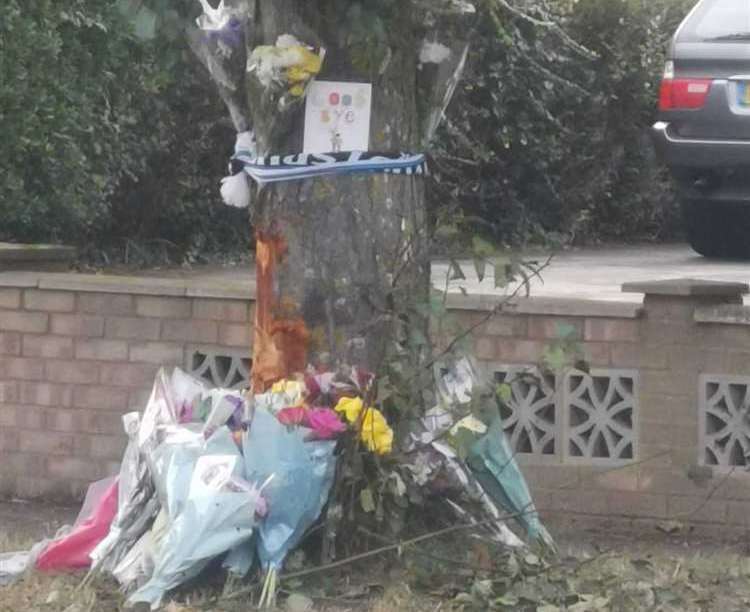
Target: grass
644 570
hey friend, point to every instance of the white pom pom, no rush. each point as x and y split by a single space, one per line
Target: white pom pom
235 191
245 143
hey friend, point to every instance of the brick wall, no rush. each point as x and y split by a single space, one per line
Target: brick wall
74 360
682 337
77 352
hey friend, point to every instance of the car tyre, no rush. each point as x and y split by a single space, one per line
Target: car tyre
718 230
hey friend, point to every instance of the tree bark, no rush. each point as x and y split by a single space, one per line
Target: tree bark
350 269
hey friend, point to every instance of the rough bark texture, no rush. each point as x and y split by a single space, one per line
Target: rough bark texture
348 238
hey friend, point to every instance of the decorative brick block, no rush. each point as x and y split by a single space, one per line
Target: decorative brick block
77 325
724 413
573 417
601 410
132 328
530 418
219 369
102 350
55 347
49 301
163 307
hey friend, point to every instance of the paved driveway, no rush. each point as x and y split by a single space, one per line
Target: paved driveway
598 274
593 274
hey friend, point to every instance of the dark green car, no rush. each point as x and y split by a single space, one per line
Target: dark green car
703 131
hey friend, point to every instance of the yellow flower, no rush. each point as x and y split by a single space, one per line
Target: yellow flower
294 391
376 434
351 407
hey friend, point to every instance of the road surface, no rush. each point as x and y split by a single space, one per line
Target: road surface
598 274
592 274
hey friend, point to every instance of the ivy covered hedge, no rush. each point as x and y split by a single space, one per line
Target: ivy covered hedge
549 142
108 142
117 144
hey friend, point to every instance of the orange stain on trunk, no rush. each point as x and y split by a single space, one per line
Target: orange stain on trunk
280 343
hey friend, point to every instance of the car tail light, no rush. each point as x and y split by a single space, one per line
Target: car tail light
682 94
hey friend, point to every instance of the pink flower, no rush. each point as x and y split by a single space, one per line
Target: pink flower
313 388
261 509
325 423
292 416
185 413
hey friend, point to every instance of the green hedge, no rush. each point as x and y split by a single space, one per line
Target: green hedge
108 142
555 143
118 145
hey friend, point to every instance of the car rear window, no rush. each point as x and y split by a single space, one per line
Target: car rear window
718 19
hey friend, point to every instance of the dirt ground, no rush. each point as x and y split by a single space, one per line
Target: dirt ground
601 565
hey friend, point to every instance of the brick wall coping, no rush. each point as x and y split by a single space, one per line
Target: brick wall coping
728 314
688 287
134 285
572 307
223 289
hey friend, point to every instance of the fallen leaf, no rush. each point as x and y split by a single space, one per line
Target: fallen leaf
296 602
670 527
531 559
367 500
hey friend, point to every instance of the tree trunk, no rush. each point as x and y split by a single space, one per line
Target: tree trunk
349 270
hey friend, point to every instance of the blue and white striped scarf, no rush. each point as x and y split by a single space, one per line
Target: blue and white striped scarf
280 168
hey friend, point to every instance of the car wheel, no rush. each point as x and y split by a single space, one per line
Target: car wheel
717 229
